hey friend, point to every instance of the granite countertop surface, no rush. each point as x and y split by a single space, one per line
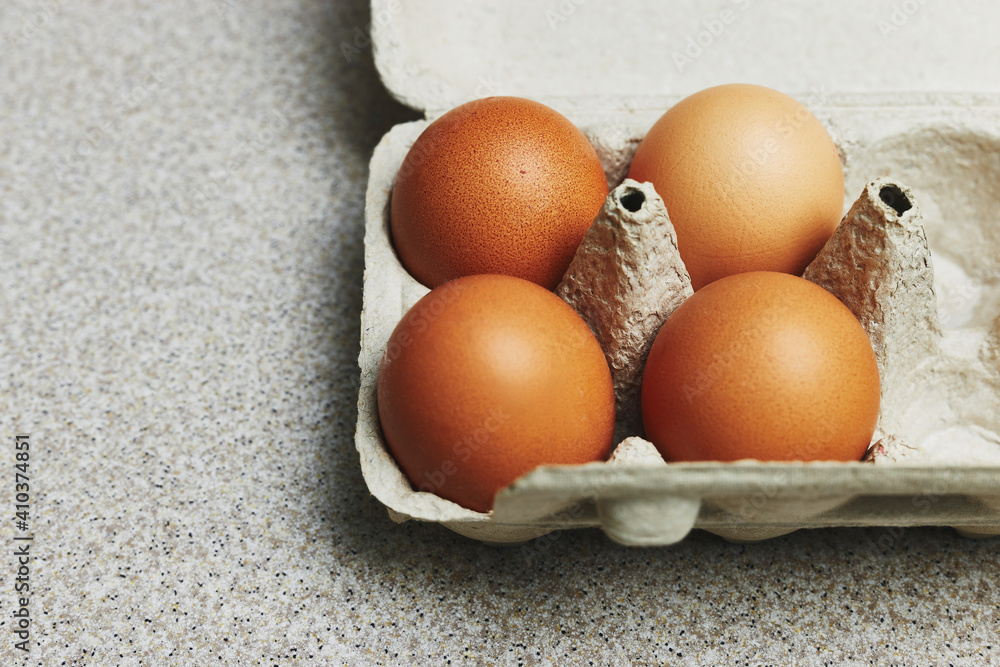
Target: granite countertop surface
181 226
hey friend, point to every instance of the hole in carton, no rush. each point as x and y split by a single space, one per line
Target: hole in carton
895 198
633 200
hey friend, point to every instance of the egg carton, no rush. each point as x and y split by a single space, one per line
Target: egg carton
917 259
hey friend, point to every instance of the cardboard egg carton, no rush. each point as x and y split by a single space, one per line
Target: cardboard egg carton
917 259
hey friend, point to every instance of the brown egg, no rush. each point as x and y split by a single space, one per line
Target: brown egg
500 185
751 179
761 366
486 378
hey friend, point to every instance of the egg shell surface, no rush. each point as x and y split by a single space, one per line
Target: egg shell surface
487 377
750 177
500 185
763 366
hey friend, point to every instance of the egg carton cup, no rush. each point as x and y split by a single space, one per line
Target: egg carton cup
916 258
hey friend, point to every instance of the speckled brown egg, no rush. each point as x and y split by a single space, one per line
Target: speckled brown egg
762 366
750 177
486 378
500 185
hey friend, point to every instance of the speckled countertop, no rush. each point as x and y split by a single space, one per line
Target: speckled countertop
180 284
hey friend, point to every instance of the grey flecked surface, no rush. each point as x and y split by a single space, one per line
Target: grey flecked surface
181 195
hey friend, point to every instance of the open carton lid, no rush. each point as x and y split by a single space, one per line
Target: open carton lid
435 54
